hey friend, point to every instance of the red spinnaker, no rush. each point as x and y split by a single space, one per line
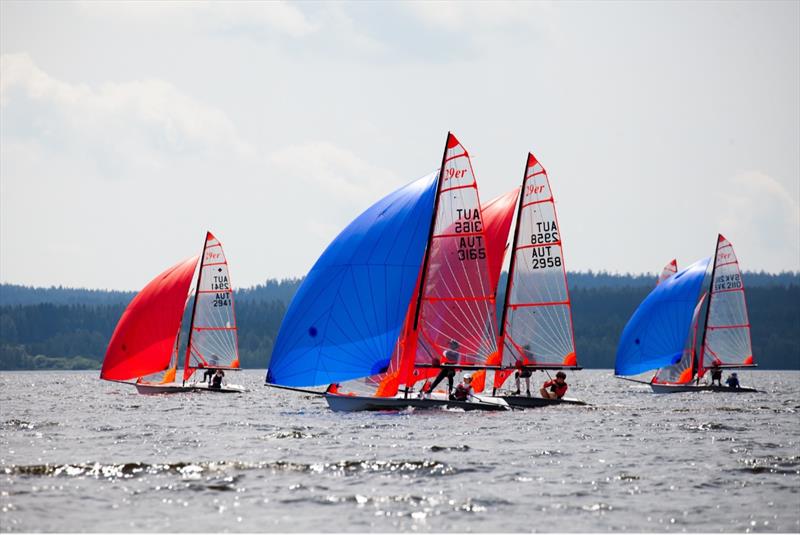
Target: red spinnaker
144 338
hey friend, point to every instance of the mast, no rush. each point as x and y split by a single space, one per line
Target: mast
513 263
708 309
430 233
194 305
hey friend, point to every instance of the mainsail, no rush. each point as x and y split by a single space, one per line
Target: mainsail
457 303
213 335
537 317
727 331
144 339
668 271
345 318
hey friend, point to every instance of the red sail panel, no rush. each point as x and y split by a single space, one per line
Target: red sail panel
538 328
668 271
143 340
727 335
497 216
213 337
458 303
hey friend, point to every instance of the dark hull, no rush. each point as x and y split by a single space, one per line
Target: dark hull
174 388
369 403
525 402
671 389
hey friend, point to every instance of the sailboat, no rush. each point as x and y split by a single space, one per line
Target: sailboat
536 330
425 241
679 315
144 348
668 271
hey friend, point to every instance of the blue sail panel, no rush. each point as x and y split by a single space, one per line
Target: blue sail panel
656 333
345 319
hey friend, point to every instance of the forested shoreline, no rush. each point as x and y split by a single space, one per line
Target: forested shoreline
66 328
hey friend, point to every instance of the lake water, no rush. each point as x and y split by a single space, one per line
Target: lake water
80 454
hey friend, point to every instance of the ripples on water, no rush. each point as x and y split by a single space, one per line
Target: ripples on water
79 454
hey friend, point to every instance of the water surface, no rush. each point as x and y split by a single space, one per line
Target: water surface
80 454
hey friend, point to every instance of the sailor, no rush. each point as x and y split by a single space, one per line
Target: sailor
464 389
216 380
555 389
207 375
716 372
522 372
733 381
451 356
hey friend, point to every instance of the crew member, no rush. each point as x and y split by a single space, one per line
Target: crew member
451 356
733 381
464 389
556 388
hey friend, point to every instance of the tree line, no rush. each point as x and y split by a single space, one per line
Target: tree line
51 328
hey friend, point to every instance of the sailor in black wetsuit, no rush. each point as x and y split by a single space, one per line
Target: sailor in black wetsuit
451 356
207 375
523 373
716 373
733 381
216 380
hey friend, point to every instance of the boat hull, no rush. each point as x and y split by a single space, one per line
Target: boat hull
525 402
671 389
370 403
177 388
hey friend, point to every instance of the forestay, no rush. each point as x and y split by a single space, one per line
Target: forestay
345 319
213 335
727 335
457 303
538 315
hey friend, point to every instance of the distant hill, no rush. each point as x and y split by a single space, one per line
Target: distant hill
284 289
65 328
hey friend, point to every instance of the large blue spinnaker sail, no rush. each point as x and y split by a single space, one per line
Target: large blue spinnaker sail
345 319
655 336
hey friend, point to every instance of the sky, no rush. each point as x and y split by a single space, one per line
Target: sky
129 129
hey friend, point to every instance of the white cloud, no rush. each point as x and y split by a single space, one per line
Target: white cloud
279 16
760 213
145 119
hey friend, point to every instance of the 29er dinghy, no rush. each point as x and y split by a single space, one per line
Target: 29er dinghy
664 331
346 318
145 344
536 331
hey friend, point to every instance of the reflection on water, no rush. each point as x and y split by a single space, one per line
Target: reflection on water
79 454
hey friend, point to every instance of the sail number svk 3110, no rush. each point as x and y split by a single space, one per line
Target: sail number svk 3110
468 221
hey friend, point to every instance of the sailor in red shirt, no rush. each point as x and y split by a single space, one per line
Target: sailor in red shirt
556 388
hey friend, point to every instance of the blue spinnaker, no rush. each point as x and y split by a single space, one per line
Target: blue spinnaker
655 335
345 319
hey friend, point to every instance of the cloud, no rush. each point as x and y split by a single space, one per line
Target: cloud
339 172
762 214
140 120
278 16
